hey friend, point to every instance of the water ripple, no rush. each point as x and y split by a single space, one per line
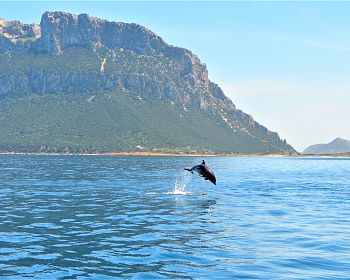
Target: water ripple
144 218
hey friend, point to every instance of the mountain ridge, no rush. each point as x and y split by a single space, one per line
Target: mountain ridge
337 146
86 55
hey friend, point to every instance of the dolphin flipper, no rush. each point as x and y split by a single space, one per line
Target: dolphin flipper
190 170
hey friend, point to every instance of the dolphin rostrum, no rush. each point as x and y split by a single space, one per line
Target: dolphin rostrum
204 171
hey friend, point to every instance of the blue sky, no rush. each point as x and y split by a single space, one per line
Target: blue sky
285 63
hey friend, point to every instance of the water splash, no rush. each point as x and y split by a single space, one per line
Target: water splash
181 183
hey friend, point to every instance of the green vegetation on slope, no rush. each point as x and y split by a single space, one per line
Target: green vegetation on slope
113 121
65 104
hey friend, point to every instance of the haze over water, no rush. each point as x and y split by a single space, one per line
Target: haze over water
100 217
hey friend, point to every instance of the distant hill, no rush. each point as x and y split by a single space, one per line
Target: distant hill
337 146
77 83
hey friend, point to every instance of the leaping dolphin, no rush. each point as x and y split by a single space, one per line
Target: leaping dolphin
203 171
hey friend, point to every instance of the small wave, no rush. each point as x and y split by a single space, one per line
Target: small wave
178 192
175 192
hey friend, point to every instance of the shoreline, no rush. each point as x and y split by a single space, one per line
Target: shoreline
141 154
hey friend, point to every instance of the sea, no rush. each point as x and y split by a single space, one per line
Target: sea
138 217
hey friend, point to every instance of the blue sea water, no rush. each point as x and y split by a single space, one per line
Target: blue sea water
105 217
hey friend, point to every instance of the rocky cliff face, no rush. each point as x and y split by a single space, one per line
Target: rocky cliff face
14 30
63 30
60 31
16 36
82 54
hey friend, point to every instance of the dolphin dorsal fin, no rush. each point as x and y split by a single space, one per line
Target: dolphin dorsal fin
203 162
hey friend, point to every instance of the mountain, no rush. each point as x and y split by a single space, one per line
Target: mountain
77 83
337 146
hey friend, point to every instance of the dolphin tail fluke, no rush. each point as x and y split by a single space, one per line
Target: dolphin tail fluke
190 170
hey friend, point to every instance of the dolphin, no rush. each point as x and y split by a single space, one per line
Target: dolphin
203 171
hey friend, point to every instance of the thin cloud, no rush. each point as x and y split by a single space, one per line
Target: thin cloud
304 114
332 46
270 88
329 42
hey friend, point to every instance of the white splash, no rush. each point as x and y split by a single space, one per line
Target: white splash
181 183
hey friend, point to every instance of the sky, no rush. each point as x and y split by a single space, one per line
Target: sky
285 63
